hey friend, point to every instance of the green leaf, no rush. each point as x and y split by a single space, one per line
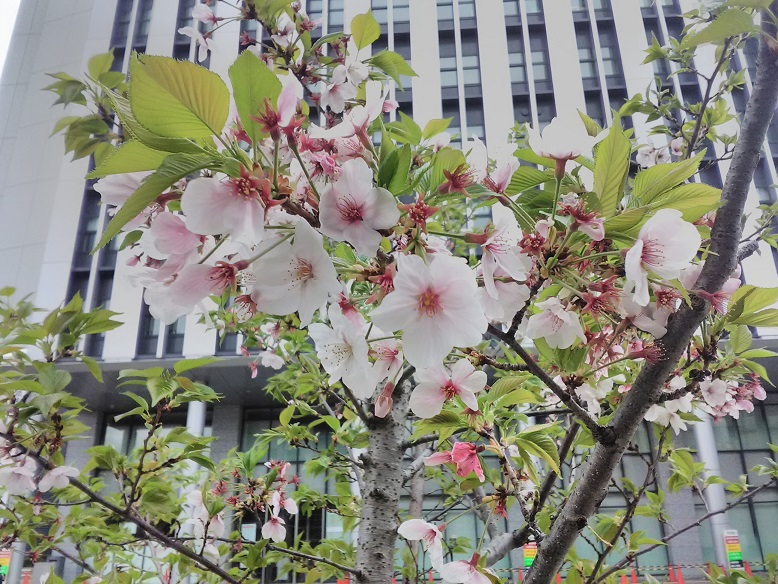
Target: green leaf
592 127
177 99
252 83
394 171
93 367
654 181
53 379
63 123
394 65
435 127
365 29
144 373
134 130
174 168
693 200
159 389
750 3
100 64
540 444
768 317
525 177
740 339
405 130
727 24
132 156
446 159
611 165
187 364
286 415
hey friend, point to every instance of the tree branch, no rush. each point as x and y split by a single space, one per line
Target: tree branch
602 434
592 486
319 559
631 557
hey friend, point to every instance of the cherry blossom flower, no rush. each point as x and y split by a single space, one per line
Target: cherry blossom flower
178 296
443 457
280 501
167 235
715 392
665 417
236 206
296 277
430 535
274 529
388 355
384 402
204 14
511 297
115 189
433 304
665 245
565 138
57 478
204 42
650 155
465 456
461 572
557 326
591 395
437 385
649 318
342 350
719 300
356 70
17 479
500 250
338 91
353 210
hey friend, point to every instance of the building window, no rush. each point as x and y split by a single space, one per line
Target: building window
518 67
546 110
148 333
445 10
601 4
174 342
534 6
471 70
401 11
141 34
121 23
182 43
539 49
522 112
380 11
578 5
448 71
313 8
451 110
594 107
475 120
466 8
586 55
511 7
335 16
611 61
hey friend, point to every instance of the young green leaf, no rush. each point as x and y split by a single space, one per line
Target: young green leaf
252 83
611 164
365 29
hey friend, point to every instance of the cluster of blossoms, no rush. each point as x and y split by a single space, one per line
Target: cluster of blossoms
265 238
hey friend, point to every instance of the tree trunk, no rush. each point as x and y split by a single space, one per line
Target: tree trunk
592 486
383 479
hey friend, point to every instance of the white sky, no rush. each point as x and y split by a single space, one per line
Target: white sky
9 9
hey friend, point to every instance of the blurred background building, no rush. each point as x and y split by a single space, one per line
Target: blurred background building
485 64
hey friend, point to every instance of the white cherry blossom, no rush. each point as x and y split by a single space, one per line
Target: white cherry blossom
559 327
295 277
434 305
274 529
430 536
665 246
335 94
57 478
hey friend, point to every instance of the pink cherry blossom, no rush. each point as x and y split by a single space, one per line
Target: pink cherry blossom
715 392
435 306
342 350
274 529
352 210
511 297
461 572
443 457
236 207
437 385
204 42
388 355
565 138
651 155
57 478
384 402
465 456
430 535
295 277
649 318
168 235
279 500
665 417
560 328
178 296
665 246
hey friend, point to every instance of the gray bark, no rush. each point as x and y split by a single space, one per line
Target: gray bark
383 480
592 486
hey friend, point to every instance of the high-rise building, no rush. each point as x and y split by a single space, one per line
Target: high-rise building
486 64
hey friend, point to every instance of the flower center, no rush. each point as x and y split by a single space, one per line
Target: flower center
304 270
244 188
429 302
349 210
653 252
450 390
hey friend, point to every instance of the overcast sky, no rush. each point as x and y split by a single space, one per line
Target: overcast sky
10 7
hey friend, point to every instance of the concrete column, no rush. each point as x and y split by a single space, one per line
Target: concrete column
195 418
679 509
18 551
427 100
563 56
495 71
715 495
226 427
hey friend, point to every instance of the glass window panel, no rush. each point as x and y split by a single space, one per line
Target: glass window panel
653 529
448 78
766 520
731 465
445 12
771 412
471 76
534 6
466 9
740 519
511 7
753 430
725 431
578 5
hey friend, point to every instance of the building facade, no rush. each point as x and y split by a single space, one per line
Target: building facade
484 63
